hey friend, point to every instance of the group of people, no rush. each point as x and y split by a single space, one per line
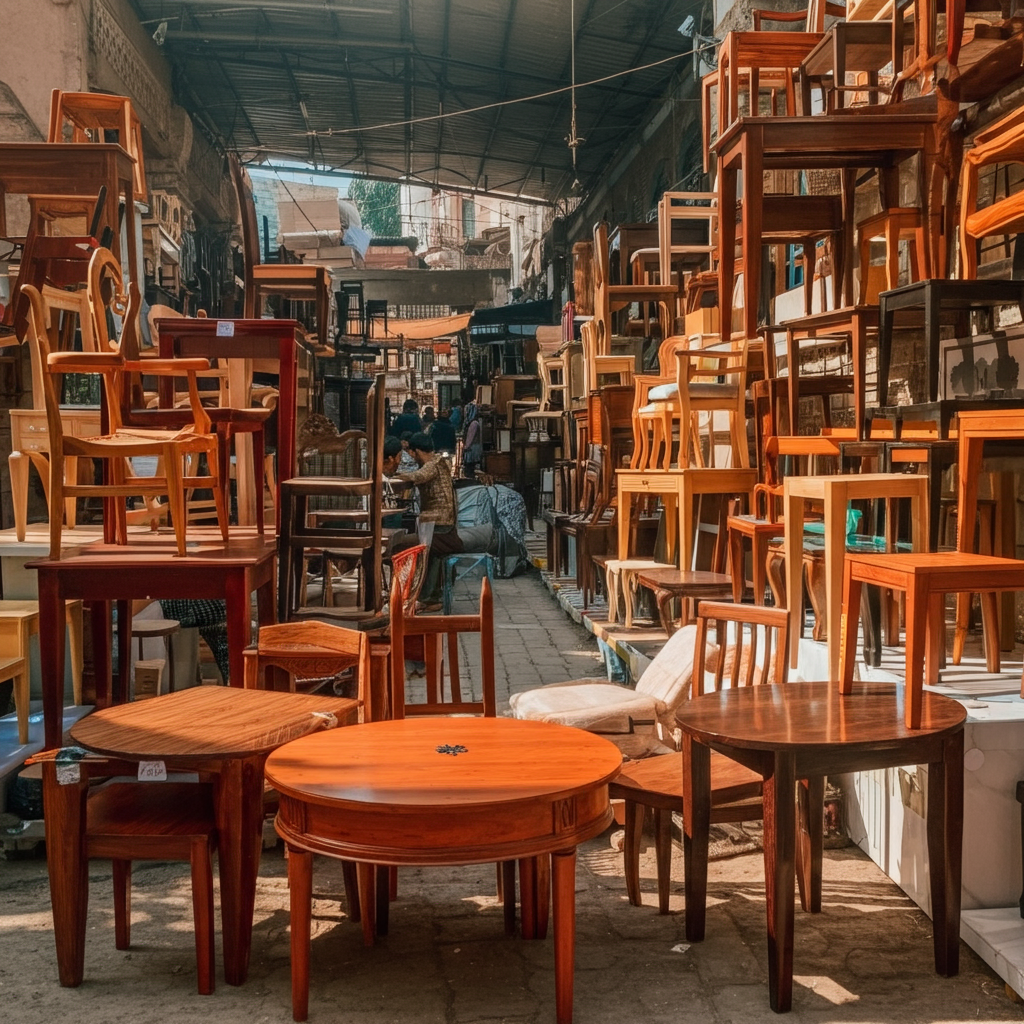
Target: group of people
413 453
443 430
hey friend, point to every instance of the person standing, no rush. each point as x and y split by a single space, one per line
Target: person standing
472 444
443 433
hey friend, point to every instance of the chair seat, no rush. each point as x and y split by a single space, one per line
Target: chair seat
663 392
592 704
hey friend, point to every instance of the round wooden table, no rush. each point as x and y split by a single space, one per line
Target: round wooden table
800 731
441 791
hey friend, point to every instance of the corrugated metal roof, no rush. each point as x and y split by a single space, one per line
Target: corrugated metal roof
358 85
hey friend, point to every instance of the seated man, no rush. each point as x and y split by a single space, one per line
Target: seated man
437 506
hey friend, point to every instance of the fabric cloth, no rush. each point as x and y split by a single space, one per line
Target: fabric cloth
437 496
210 617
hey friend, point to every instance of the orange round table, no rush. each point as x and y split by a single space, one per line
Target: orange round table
441 791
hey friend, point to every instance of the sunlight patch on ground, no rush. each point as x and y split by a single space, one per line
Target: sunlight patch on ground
826 988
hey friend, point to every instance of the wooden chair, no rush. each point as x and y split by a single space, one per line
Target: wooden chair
610 297
755 643
416 636
1002 142
309 651
91 115
600 366
639 721
891 226
127 821
120 443
298 282
553 371
591 527
349 539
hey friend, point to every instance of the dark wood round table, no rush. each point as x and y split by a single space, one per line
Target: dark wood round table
696 585
803 730
441 791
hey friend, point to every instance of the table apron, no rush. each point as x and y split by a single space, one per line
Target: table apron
84 583
381 835
840 759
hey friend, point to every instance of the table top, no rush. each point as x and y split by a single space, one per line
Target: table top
206 722
878 485
843 316
671 578
204 549
28 166
791 715
401 763
201 326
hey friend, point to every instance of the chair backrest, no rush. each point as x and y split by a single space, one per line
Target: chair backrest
692 206
755 640
430 629
308 650
602 297
408 570
813 18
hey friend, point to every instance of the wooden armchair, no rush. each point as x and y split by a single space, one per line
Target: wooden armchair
120 443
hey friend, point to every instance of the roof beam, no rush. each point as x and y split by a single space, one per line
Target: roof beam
502 62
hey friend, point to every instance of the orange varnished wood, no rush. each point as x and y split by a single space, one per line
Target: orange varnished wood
226 732
924 579
383 793
806 730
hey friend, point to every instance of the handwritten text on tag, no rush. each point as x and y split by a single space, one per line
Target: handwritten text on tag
152 771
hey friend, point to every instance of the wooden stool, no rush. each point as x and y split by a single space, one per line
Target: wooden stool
760 533
620 581
19 620
925 579
686 585
145 629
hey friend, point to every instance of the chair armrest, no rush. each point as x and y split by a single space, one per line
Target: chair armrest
83 362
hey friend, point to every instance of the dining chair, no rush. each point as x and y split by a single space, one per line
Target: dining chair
119 443
754 642
129 821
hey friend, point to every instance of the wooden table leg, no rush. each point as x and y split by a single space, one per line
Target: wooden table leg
794 536
848 629
696 825
528 897
917 623
736 569
663 852
779 867
238 794
507 875
300 895
634 824
945 852
68 870
563 881
367 876
236 592
810 845
123 683
51 657
836 502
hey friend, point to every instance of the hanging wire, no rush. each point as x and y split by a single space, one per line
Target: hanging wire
573 139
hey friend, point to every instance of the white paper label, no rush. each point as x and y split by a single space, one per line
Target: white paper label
225 328
152 771
68 774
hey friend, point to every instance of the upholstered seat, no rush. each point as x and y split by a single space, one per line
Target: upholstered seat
640 721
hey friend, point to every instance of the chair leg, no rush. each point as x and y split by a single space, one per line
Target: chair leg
122 872
202 913
663 855
631 849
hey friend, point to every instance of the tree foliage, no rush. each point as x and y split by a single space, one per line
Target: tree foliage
378 203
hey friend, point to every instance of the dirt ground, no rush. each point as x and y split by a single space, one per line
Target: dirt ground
867 958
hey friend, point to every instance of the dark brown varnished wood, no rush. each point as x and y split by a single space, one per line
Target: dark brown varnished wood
402 792
807 730
101 573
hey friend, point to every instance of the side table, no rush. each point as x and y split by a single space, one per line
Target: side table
805 730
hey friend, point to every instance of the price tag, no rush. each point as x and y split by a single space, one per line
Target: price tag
68 774
152 771
225 328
